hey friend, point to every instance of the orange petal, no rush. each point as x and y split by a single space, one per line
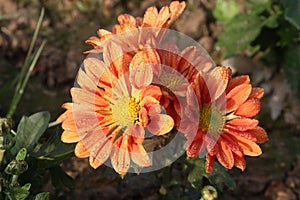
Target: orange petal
225 156
120 158
144 58
160 124
249 108
141 76
80 151
242 124
256 93
239 162
232 144
176 9
245 134
259 133
85 81
127 19
150 17
237 96
250 148
150 91
139 155
238 81
85 97
94 162
70 137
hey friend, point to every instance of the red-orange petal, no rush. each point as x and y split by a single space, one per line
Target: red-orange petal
237 96
259 133
239 162
225 156
249 108
256 93
242 124
250 148
239 80
210 162
139 155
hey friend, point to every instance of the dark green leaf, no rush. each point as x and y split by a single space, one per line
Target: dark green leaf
53 152
60 178
292 66
42 196
292 12
29 131
195 177
18 193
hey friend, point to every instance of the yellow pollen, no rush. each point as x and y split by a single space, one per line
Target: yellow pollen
125 111
170 81
211 120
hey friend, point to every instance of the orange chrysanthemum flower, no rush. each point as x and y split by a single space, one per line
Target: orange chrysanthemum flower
112 108
225 126
152 19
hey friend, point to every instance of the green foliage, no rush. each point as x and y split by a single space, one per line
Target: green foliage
29 131
265 26
292 14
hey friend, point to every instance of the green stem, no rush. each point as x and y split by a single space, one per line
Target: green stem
51 124
18 94
27 68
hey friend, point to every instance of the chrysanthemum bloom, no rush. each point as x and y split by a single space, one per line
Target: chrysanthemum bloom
177 70
112 108
225 126
152 19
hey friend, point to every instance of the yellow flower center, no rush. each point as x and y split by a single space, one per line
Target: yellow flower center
125 111
211 120
170 81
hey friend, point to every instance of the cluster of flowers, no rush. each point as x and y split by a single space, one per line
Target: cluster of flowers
135 83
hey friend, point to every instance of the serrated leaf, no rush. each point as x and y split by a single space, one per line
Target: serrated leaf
225 10
239 33
26 186
42 196
29 131
292 12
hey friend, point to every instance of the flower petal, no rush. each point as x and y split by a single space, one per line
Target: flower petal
210 162
141 76
259 133
239 162
249 108
250 148
120 158
70 137
239 80
80 151
225 156
237 96
160 124
256 93
242 124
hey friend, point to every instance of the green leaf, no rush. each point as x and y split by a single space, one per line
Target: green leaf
226 10
29 131
239 34
292 12
195 177
60 178
53 152
21 154
42 196
219 176
18 193
292 66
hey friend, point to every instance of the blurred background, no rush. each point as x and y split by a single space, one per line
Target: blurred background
259 38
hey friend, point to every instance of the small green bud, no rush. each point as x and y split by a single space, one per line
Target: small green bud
16 167
209 193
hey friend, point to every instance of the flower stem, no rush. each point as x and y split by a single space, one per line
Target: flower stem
27 68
